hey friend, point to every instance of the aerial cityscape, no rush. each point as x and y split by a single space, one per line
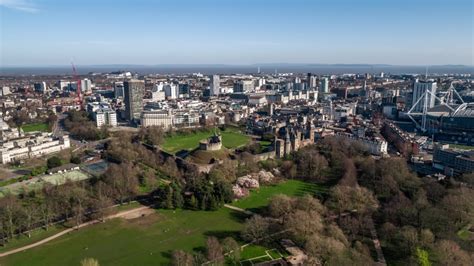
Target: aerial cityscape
236 132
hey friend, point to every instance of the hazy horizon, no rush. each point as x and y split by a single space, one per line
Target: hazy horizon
232 69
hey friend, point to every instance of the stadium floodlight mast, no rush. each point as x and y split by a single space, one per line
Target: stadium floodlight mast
451 93
424 97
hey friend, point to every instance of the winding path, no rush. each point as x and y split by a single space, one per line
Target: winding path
41 242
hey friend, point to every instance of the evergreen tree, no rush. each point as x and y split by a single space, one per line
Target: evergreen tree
193 203
212 205
169 198
203 203
178 200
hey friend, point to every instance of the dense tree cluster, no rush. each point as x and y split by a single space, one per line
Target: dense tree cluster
416 218
308 223
81 126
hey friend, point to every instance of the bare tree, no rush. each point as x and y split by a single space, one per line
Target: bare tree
303 224
345 198
89 262
215 252
232 248
280 206
255 228
182 258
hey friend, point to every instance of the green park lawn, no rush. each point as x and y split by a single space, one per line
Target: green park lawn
150 240
43 127
260 198
231 138
143 241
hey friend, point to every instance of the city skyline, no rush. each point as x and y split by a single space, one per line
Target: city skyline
208 32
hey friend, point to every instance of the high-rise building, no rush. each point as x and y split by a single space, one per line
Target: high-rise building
40 87
243 86
312 83
419 89
171 90
308 80
324 86
133 98
215 85
62 84
86 85
118 89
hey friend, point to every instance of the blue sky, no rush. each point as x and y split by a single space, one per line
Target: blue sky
403 32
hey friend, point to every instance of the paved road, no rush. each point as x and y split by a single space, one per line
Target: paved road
120 214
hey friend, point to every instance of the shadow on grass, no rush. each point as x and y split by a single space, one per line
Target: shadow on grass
201 250
239 216
223 234
262 210
167 254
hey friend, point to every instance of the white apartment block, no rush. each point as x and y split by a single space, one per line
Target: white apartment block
32 146
105 117
160 118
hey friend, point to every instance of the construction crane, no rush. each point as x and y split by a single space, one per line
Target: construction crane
78 86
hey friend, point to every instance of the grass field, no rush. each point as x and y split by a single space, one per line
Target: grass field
260 198
35 127
231 138
254 254
142 241
36 235
461 147
36 183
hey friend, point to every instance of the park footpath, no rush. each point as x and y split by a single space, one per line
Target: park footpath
41 242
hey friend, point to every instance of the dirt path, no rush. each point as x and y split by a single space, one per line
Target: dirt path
120 214
238 209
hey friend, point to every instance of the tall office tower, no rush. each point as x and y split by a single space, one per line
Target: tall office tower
308 80
118 89
86 85
419 89
171 90
313 82
40 87
324 86
133 98
215 85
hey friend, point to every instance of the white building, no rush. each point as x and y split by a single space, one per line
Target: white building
32 146
171 91
105 117
244 86
63 84
313 82
215 85
157 93
419 88
376 146
86 85
162 118
324 86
